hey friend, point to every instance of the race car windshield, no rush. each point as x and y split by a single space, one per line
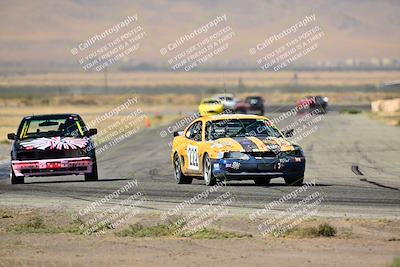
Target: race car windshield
211 102
226 98
50 127
240 128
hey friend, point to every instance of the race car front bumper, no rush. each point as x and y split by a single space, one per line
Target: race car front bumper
52 167
236 169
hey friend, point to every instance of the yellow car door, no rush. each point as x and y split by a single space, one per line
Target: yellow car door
194 148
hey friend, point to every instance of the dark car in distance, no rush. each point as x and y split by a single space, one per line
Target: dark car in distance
251 105
312 103
52 145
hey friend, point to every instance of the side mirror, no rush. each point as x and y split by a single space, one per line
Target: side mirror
288 133
11 136
178 133
92 132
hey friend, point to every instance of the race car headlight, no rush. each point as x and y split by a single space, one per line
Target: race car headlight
293 153
220 155
236 155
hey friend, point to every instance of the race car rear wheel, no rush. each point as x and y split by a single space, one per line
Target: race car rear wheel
294 180
209 178
15 179
180 178
262 181
93 176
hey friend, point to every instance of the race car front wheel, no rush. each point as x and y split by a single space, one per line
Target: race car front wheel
294 180
262 181
93 176
15 179
180 178
209 179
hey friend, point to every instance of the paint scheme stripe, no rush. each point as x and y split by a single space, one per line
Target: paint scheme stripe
260 144
247 144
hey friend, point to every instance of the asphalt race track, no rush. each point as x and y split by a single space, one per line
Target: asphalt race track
354 161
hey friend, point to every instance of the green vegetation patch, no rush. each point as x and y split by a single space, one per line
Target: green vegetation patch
395 263
37 224
163 230
350 111
323 230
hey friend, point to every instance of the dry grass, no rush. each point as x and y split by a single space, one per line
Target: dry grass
389 118
160 108
322 230
140 79
12 111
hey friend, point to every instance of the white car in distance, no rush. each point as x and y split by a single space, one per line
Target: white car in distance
228 100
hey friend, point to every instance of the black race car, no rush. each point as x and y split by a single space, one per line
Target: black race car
256 105
251 105
51 145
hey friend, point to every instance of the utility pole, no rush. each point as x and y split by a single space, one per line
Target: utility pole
105 80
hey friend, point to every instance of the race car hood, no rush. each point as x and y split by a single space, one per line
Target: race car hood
51 147
49 143
252 144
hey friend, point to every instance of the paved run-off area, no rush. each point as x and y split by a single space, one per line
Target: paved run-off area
353 160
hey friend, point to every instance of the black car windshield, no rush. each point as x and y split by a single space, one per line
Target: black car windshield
240 128
66 126
253 100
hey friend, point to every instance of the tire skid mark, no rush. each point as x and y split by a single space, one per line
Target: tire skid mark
372 162
378 184
357 171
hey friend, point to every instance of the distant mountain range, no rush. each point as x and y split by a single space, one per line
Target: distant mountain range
40 34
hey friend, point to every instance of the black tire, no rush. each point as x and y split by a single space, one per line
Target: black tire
180 178
262 181
93 176
294 180
208 176
15 179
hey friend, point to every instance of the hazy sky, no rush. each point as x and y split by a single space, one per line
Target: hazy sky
46 30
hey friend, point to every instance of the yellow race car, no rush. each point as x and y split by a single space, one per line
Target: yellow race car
236 147
210 107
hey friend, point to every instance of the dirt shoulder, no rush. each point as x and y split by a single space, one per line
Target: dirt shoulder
43 237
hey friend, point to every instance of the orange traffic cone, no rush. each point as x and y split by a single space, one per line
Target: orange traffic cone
147 122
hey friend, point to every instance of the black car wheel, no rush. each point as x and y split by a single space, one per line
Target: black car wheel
180 178
262 181
93 176
15 179
294 180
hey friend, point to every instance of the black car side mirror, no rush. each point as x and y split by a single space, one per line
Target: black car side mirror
92 132
288 133
11 136
178 133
